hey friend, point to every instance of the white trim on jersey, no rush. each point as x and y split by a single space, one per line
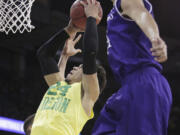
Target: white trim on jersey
149 5
150 10
120 12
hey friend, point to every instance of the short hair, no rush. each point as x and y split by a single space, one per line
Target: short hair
28 122
101 74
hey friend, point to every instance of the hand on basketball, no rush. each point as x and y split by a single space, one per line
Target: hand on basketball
159 50
91 8
69 49
71 29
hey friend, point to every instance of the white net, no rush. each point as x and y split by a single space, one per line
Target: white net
15 16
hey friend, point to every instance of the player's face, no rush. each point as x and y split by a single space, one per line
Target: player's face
75 75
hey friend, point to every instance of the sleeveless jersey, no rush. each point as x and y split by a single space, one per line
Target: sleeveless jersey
60 111
128 46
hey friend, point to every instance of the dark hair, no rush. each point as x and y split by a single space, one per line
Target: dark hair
101 74
28 122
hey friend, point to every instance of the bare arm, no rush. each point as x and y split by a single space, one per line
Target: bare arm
67 51
91 92
91 87
62 65
135 9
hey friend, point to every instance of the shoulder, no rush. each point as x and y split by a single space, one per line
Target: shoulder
131 3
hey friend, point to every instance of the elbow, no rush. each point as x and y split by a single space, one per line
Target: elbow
39 54
95 96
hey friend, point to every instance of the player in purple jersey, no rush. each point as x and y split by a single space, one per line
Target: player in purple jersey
135 48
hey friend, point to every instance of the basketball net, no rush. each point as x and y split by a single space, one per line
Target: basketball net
15 16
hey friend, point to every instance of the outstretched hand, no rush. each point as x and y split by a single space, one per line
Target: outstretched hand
69 47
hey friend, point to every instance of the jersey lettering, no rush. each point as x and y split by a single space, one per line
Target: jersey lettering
56 98
109 44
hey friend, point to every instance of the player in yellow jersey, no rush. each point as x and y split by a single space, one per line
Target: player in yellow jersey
68 103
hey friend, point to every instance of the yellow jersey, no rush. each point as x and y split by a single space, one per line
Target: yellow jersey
60 111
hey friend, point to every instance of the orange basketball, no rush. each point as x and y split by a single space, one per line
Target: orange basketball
78 16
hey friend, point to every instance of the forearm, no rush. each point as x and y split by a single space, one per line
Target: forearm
47 52
90 47
62 65
50 47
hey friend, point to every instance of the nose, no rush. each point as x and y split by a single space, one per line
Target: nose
80 66
75 68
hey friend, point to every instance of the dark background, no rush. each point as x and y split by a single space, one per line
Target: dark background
21 82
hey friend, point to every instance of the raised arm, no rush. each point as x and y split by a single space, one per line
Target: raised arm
67 51
136 10
47 52
90 47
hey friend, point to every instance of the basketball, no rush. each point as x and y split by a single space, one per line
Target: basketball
78 16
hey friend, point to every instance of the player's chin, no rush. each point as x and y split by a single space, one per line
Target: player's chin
68 77
68 80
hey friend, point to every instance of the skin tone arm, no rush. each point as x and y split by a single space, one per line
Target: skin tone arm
67 51
90 81
135 9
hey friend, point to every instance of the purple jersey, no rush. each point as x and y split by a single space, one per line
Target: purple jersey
128 46
142 105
